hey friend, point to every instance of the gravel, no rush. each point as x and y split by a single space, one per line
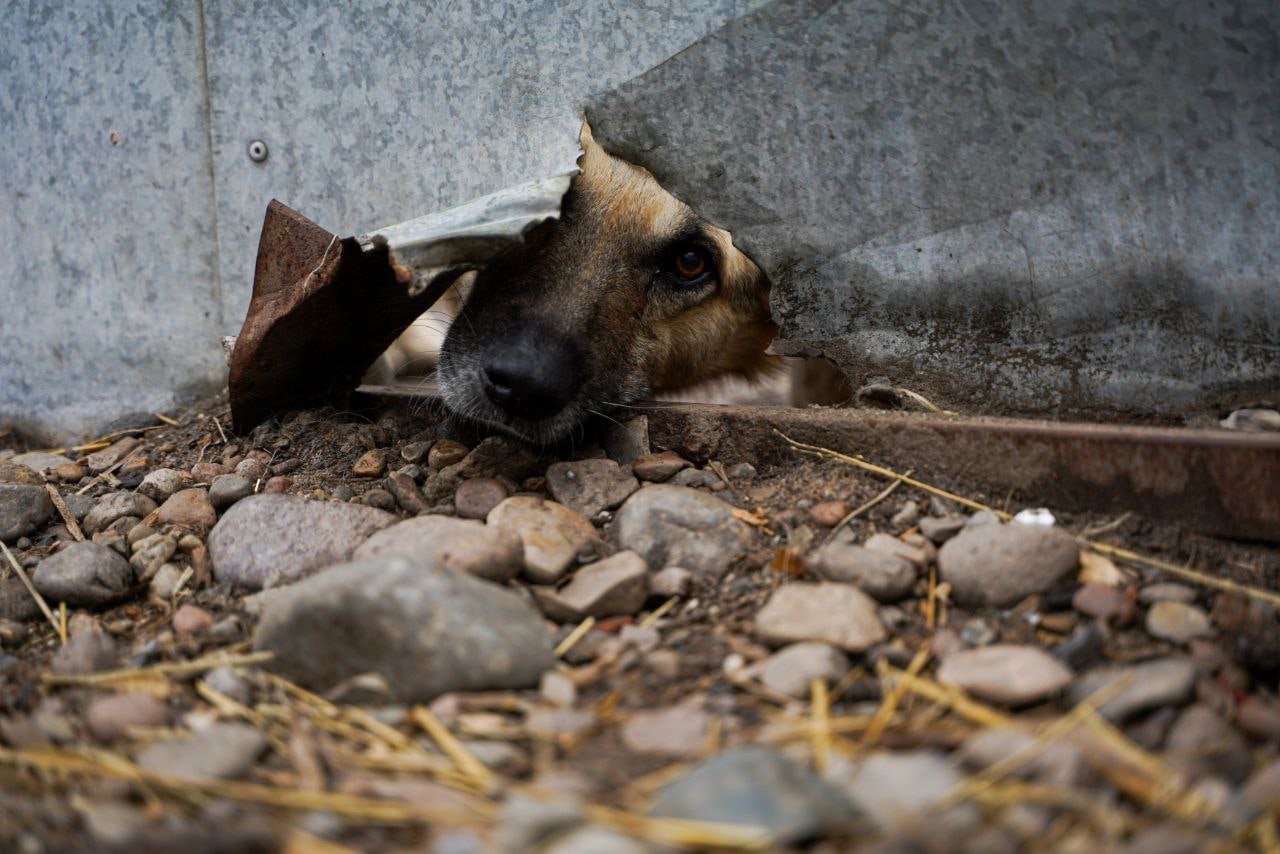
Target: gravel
668 524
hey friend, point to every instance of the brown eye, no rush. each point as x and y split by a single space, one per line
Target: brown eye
690 264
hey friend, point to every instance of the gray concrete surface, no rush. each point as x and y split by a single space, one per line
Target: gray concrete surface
1045 207
1042 207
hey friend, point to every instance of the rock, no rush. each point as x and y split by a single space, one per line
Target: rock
1061 763
940 529
463 545
593 840
906 516
116 505
566 726
16 605
1259 718
659 467
23 509
615 586
904 789
1202 744
671 581
425 629
679 731
1103 602
224 751
829 513
889 544
1177 622
495 456
1167 591
743 471
1006 674
112 716
414 452
277 485
79 505
250 469
11 472
1161 682
552 534
557 689
998 565
165 582
694 478
887 577
38 461
1262 790
445 453
88 650
668 524
405 490
266 540
589 486
206 472
1099 569
759 787
792 669
191 620
161 483
627 441
100 461
831 613
528 823
476 497
189 509
150 553
370 464
225 680
227 489
83 575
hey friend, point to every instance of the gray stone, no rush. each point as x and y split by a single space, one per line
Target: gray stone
267 540
112 716
116 505
165 582
226 681
589 486
79 505
837 614
227 489
1161 682
889 544
38 461
83 574
677 731
671 581
1006 674
759 787
901 789
594 840
1061 763
792 669
659 467
86 651
887 577
159 484
1177 622
1262 790
1166 591
150 553
553 535
1203 744
23 509
668 524
476 497
224 751
615 586
425 629
464 545
1000 564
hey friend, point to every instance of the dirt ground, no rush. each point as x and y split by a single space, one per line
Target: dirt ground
55 777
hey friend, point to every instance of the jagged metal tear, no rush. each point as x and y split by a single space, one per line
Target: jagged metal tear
1050 208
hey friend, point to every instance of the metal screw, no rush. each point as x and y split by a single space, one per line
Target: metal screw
257 151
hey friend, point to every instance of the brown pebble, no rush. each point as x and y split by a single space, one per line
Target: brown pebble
371 464
414 451
444 453
1259 718
191 620
206 472
379 498
406 493
476 496
1103 602
112 716
70 472
279 483
1059 623
828 513
188 508
659 467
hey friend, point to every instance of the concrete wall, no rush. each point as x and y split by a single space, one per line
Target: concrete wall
130 209
1040 207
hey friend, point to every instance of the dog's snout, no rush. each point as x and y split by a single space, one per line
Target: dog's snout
532 374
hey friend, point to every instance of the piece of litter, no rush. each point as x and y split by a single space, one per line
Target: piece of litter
1035 516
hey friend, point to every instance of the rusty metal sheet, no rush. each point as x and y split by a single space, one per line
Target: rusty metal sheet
322 311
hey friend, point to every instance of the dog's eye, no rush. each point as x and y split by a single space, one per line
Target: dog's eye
690 264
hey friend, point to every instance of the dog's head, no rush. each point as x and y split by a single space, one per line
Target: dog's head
628 293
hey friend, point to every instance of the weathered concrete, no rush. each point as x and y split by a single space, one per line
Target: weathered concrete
1044 207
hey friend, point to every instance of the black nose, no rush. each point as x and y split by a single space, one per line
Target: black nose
530 372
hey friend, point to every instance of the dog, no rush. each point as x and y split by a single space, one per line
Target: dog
629 293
